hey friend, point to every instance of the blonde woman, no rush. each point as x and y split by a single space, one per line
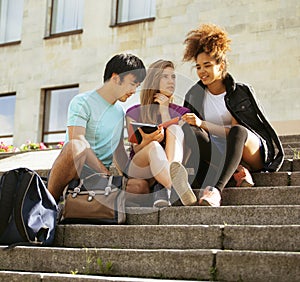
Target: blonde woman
152 157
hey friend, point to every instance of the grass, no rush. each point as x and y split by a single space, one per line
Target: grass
296 153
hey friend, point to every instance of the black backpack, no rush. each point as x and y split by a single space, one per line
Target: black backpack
27 209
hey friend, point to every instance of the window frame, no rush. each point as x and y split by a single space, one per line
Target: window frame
115 15
50 34
6 95
44 113
14 41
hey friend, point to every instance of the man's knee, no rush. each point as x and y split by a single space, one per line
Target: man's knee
137 186
75 149
75 145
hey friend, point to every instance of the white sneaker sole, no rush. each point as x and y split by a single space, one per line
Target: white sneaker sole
181 185
161 204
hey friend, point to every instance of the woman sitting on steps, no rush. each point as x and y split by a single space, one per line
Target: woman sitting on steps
233 135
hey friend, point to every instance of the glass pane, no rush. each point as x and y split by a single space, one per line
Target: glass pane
130 10
7 141
11 16
7 114
57 102
54 138
67 15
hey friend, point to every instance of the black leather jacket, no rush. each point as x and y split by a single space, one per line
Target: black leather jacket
241 103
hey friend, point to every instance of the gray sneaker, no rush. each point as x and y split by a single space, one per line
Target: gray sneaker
160 196
179 177
174 198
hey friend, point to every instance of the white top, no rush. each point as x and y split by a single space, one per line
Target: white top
215 110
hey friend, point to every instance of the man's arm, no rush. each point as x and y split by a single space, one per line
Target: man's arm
120 156
78 133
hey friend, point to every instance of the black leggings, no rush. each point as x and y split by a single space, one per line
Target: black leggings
213 168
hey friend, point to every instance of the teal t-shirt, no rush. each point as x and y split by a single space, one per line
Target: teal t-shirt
103 123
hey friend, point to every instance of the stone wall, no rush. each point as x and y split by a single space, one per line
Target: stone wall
265 53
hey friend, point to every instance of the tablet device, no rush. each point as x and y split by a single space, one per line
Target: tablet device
146 127
136 137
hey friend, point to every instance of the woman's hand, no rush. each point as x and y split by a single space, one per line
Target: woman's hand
157 135
162 98
192 119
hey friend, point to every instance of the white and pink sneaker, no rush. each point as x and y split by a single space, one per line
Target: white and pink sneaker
243 177
211 197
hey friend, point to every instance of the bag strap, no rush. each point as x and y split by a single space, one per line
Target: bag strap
8 187
107 190
27 178
97 174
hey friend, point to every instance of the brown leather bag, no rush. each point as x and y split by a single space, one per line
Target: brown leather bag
96 199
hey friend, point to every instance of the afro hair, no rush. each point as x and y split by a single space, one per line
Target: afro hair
208 38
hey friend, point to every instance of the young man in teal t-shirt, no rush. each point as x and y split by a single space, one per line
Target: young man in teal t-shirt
95 123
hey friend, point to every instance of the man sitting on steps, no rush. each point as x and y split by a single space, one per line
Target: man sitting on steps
95 125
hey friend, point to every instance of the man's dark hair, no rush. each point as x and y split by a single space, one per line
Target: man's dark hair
123 64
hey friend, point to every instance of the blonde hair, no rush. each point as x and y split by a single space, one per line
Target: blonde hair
149 109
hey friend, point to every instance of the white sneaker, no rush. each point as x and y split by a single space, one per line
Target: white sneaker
160 196
211 197
179 177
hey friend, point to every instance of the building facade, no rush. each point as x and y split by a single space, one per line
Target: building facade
50 50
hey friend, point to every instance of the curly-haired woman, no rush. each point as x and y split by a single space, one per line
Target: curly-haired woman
233 135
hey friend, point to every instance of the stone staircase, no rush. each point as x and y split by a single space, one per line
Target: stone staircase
253 236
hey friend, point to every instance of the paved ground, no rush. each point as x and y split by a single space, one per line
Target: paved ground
34 160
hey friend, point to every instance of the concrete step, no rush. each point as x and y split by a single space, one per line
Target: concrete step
281 178
237 196
257 266
289 138
275 195
232 215
287 165
194 264
292 152
273 179
254 236
226 237
9 276
290 165
42 160
295 144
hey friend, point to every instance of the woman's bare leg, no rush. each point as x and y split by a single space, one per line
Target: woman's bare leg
174 143
150 162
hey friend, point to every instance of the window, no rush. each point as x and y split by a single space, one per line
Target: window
134 10
7 117
67 15
56 104
11 16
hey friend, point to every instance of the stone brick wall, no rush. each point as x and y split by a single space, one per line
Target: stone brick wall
265 53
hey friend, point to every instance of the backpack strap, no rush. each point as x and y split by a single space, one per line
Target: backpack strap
27 178
8 187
